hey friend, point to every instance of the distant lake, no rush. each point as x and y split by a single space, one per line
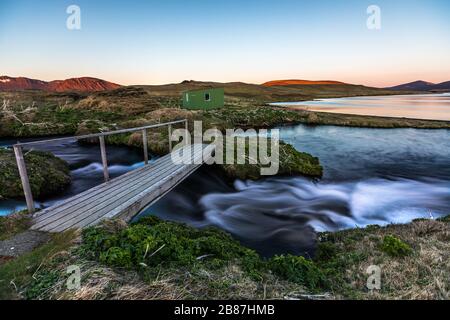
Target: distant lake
424 106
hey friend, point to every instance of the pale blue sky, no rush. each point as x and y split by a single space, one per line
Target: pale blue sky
152 42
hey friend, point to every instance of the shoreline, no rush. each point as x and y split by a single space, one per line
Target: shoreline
322 118
345 111
394 94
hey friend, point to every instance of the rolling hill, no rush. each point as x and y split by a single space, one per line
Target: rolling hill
311 89
299 82
421 85
442 86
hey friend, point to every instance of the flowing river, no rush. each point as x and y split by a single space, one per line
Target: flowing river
371 176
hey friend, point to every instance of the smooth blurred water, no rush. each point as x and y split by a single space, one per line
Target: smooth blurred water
424 106
363 153
371 176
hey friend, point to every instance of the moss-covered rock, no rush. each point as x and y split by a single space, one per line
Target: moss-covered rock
48 174
291 162
157 140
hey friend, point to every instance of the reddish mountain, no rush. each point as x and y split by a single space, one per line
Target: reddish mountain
8 83
73 84
81 84
291 82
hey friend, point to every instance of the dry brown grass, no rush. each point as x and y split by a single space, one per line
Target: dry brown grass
127 100
104 283
100 282
170 114
425 274
232 283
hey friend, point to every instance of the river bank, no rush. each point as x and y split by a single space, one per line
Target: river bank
172 261
359 121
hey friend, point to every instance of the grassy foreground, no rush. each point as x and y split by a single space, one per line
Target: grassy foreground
155 259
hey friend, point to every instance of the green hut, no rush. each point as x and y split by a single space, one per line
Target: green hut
204 99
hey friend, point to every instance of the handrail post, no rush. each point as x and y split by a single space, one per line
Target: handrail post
144 142
170 135
186 127
104 160
24 178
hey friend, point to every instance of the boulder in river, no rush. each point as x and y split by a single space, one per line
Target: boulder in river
47 173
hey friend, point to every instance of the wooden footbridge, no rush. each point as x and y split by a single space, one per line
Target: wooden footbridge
122 197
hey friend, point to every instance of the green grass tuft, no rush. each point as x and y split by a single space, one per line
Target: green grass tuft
299 270
395 247
153 242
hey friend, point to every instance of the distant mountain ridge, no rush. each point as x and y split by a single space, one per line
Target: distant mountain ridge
291 82
90 84
421 85
442 86
85 84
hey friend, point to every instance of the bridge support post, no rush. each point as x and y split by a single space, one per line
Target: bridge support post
104 160
24 178
144 143
170 135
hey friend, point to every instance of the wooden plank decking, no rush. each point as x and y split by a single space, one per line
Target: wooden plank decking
122 197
